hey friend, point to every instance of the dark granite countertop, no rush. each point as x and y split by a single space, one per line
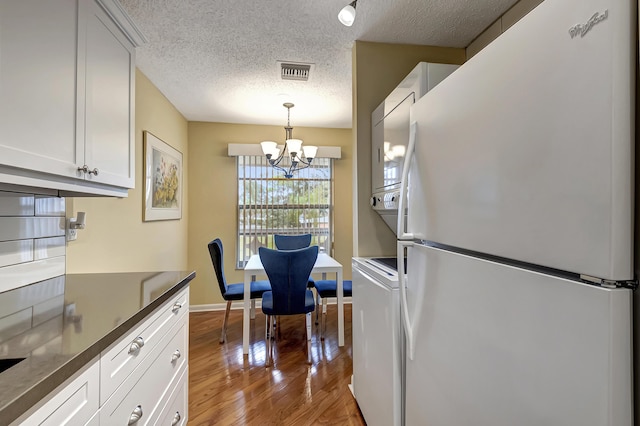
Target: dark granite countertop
61 324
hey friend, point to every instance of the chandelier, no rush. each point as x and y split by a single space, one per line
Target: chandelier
298 159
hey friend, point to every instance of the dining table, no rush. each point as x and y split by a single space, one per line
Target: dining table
325 264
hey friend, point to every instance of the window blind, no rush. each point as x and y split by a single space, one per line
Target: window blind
269 204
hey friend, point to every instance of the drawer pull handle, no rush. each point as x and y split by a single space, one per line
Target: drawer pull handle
85 169
175 356
176 307
136 345
136 415
176 419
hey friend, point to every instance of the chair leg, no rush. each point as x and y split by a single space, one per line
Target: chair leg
317 299
252 312
223 334
268 357
323 326
308 321
266 328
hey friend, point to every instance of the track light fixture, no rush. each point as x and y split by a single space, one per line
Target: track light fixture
348 14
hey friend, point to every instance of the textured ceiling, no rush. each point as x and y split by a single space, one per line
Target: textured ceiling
216 60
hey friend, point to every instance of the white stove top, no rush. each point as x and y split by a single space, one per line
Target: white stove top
378 269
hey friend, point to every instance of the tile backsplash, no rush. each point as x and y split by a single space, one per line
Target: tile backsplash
32 239
32 250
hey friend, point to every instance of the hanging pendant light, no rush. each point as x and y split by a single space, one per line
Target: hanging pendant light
301 157
348 14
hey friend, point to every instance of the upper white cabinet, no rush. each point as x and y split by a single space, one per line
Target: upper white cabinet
67 71
38 85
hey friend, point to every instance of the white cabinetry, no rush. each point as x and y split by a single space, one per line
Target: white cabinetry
75 403
175 412
66 95
38 85
156 354
139 379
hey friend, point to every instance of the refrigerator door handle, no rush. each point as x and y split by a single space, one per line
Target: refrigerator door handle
404 306
402 235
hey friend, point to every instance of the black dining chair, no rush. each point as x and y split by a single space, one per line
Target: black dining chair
231 292
325 289
288 271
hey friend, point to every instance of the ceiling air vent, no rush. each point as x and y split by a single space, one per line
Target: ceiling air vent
295 70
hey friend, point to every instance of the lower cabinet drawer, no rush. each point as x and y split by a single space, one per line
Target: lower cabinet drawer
175 413
124 356
142 393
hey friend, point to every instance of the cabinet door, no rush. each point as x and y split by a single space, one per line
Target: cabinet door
75 403
109 59
38 67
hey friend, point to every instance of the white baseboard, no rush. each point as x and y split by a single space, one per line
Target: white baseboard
239 305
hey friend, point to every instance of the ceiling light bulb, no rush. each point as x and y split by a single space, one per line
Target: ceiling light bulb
348 14
310 151
268 147
294 145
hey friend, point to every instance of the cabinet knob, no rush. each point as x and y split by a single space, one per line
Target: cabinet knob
94 171
176 307
175 356
176 419
136 345
136 415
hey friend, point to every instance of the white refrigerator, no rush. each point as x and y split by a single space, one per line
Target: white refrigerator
516 300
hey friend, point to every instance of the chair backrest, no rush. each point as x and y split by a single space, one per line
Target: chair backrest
288 272
215 251
292 242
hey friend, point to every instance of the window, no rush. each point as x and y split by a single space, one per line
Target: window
269 204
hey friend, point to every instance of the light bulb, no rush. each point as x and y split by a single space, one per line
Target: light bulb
310 151
294 145
348 14
268 147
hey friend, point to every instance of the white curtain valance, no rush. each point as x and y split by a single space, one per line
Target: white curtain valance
239 149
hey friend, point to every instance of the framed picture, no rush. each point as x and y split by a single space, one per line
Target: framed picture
162 180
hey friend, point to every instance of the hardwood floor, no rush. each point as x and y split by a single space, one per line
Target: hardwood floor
226 388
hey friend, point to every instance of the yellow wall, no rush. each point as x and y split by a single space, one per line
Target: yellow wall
213 196
377 69
116 239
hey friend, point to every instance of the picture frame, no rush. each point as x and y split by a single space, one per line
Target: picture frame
163 180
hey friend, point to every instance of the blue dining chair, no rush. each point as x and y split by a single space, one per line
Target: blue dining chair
288 272
231 292
325 289
294 242
291 242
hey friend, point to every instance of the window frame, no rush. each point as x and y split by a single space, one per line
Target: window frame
275 177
